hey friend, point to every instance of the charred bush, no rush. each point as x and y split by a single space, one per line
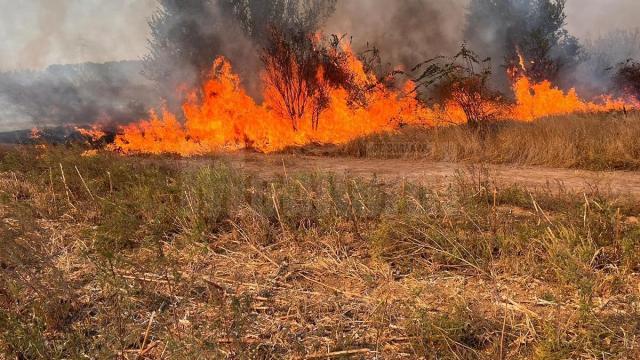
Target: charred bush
464 81
627 78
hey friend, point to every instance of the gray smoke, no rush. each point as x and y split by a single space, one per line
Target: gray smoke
109 93
406 32
37 33
592 19
595 74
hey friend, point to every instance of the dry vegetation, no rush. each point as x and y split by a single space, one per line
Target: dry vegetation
107 257
594 142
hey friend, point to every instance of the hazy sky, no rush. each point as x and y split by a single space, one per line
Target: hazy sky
36 33
597 17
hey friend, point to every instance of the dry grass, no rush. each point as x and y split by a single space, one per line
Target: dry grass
594 142
110 257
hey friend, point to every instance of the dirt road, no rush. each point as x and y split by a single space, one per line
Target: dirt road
623 183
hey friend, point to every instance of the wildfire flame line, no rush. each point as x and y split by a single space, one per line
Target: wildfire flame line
227 119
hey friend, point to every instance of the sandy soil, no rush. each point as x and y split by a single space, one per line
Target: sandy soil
623 183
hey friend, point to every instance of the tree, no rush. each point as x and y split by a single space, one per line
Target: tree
188 35
298 65
465 83
184 36
260 17
463 80
532 30
300 69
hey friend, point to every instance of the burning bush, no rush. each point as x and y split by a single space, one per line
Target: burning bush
300 69
316 90
461 84
465 84
187 36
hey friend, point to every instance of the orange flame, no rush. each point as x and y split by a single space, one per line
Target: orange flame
225 118
534 101
95 133
35 134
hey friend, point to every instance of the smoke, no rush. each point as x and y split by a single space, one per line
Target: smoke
595 75
186 36
592 19
406 32
110 93
610 35
38 33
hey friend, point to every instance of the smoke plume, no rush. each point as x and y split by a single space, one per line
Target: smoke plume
406 32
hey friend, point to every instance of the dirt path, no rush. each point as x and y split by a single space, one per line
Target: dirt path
623 183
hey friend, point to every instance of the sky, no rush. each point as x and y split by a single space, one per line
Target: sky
37 33
594 18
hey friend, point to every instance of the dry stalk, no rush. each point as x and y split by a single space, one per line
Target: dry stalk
617 225
110 183
504 324
347 293
336 354
84 183
246 238
66 187
51 189
146 336
151 346
284 169
275 205
354 218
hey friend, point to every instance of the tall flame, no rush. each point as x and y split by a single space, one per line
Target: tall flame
224 118
534 101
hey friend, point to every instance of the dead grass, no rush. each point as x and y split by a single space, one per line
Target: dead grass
594 142
107 257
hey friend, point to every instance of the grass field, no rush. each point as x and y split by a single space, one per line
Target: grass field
130 257
593 142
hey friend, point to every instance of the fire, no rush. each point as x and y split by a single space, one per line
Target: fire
223 117
534 101
538 100
35 134
95 133
521 62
